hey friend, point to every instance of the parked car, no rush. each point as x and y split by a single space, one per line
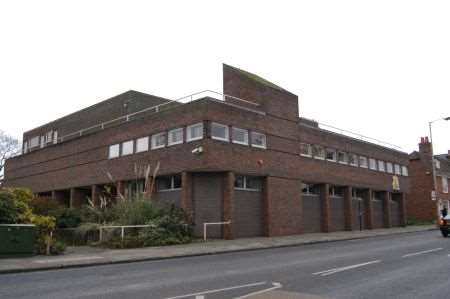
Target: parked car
444 226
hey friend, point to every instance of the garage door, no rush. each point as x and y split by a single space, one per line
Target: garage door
357 209
377 213
248 214
311 213
337 217
207 201
395 213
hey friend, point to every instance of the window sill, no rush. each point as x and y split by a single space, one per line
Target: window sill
174 143
246 189
169 190
194 139
220 139
306 155
259 146
240 143
158 147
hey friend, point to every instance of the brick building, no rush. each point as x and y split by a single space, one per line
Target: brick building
245 156
420 203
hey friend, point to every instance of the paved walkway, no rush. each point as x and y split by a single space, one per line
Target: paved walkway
90 256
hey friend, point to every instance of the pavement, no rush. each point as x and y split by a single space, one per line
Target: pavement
91 256
403 266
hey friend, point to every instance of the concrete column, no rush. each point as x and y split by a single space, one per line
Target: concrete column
402 207
228 205
348 210
267 206
368 211
387 209
186 196
325 204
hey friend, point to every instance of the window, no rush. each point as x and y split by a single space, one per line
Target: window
318 152
127 147
175 136
34 141
168 183
220 132
194 132
331 154
353 159
335 191
55 137
239 136
305 150
404 171
389 168
258 140
142 144
42 141
310 189
437 164
247 183
25 147
362 162
397 169
372 164
355 194
158 140
342 157
444 184
49 137
114 151
381 166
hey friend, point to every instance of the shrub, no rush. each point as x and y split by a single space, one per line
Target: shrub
134 212
57 248
8 210
46 206
68 218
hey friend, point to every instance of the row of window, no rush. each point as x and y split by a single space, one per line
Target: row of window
40 141
333 191
322 153
193 132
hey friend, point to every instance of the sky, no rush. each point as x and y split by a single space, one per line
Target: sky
379 68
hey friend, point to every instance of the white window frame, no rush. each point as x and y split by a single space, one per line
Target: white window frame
123 145
42 141
245 142
356 160
25 147
444 185
49 137
405 171
171 133
389 167
372 164
381 166
172 186
34 142
245 188
110 150
309 149
227 132
322 150
331 150
363 158
437 163
154 138
397 169
253 136
189 129
55 137
308 187
345 157
143 141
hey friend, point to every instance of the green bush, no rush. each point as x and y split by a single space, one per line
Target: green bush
46 206
68 218
8 210
134 212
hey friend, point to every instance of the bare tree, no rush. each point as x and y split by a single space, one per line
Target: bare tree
9 147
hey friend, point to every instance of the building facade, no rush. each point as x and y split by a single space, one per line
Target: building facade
245 157
422 205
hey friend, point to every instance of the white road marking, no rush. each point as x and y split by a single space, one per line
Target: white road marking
421 252
219 290
340 269
199 297
67 259
275 285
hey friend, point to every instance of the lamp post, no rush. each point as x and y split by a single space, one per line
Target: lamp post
433 165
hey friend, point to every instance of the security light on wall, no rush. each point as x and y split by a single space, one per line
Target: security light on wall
197 150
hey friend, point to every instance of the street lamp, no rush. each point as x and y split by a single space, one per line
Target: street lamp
433 165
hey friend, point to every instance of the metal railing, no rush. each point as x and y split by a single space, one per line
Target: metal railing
238 102
122 229
205 225
358 136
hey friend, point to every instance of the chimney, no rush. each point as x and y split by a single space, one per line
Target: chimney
425 146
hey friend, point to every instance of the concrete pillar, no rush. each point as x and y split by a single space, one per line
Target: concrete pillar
348 210
368 211
228 205
186 196
325 205
387 209
402 207
266 208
